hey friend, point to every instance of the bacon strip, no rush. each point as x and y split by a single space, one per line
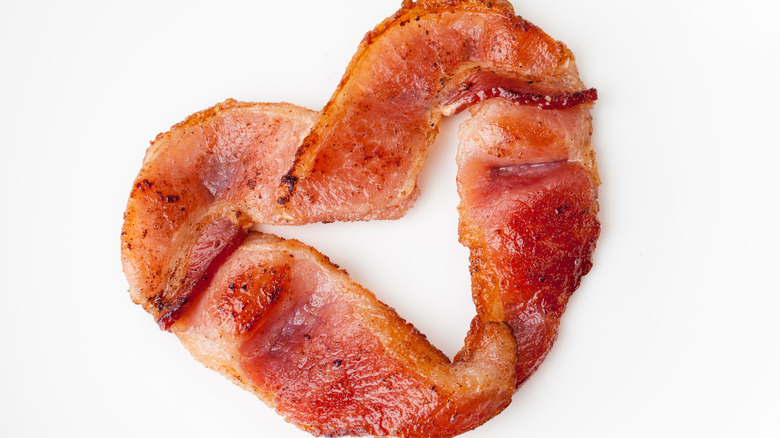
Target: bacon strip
221 164
280 319
293 328
361 159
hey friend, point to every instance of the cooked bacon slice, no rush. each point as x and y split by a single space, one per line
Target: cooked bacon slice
362 157
527 182
280 319
220 165
287 324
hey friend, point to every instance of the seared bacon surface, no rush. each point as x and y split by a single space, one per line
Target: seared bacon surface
280 319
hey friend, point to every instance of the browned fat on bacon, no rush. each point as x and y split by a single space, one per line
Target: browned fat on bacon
280 319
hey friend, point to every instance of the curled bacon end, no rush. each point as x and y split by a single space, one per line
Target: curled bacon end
487 85
209 251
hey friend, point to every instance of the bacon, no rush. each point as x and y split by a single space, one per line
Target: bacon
279 319
221 164
361 159
528 214
290 326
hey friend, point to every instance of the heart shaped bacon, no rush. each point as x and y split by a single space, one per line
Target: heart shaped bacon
281 320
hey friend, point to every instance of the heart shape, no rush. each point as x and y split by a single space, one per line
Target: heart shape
280 319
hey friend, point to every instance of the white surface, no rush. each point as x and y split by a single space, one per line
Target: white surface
674 332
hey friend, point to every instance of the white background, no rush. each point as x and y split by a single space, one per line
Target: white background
674 332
